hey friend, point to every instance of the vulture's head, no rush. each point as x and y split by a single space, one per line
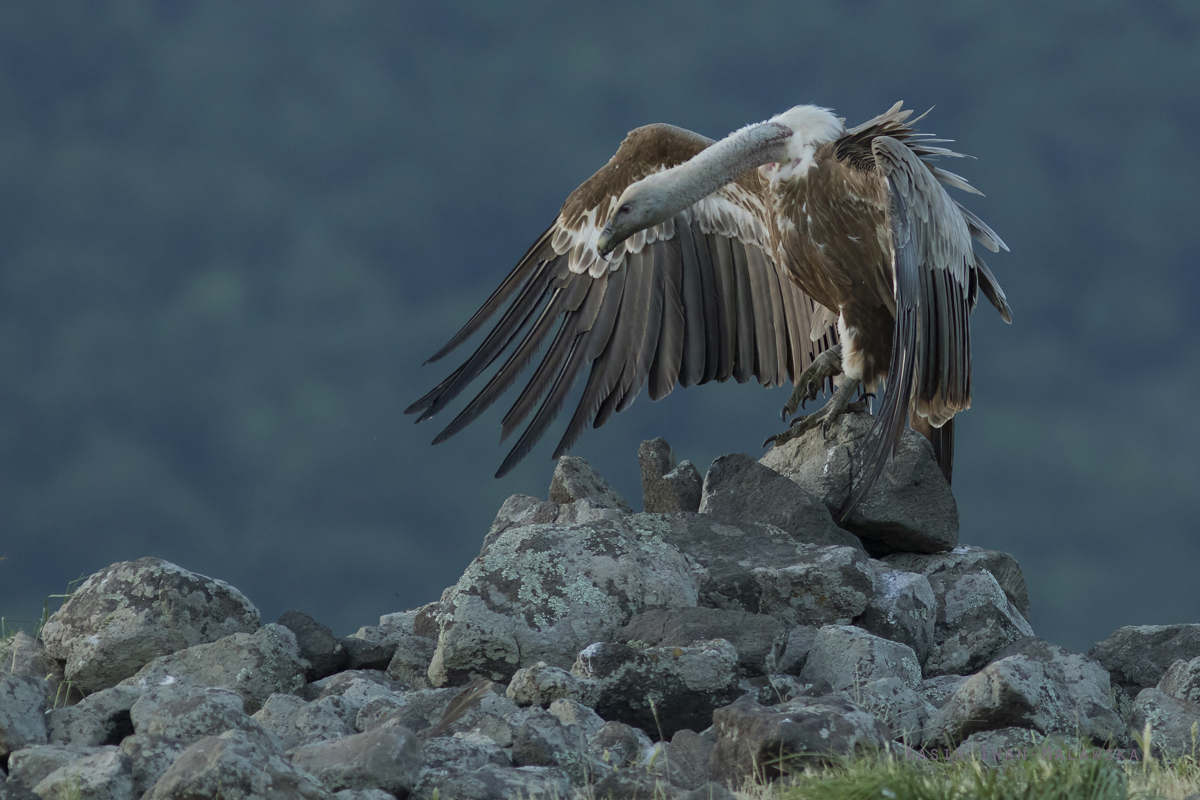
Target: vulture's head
642 205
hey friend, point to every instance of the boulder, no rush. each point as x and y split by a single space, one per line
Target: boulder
544 592
387 758
104 775
542 740
1137 656
521 510
1007 745
738 489
753 739
910 508
799 644
1182 680
683 762
542 684
903 609
943 569
29 766
661 689
619 745
189 713
1172 722
278 715
895 704
574 480
24 655
150 756
846 657
667 487
15 791
940 688
573 713
1033 684
253 665
132 612
317 645
99 719
22 713
492 782
758 638
763 570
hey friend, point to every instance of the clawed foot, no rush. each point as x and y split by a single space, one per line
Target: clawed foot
836 406
810 382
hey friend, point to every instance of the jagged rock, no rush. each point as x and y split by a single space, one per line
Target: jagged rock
150 756
387 758
424 709
132 612
22 713
543 592
375 711
895 704
358 687
237 763
24 655
619 745
910 508
573 713
1014 744
1182 680
278 715
463 753
325 719
99 719
1033 684
661 688
738 489
940 688
542 740
943 569
1171 722
542 684
756 637
574 480
370 647
521 510
411 660
103 775
189 713
760 569
29 766
683 762
493 782
843 657
1137 656
253 665
902 609
667 487
795 651
317 645
752 739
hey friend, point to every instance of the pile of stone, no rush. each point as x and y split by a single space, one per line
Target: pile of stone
731 630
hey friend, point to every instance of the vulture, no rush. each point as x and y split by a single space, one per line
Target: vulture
794 249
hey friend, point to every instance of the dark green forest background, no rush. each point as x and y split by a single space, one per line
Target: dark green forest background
231 232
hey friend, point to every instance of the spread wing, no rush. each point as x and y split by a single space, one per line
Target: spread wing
696 299
937 278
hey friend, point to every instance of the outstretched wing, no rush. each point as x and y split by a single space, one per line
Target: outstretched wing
937 278
696 299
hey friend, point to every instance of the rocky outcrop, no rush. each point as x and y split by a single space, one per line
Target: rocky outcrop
732 629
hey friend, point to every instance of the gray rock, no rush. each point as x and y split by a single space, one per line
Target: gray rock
105 775
1137 656
619 745
253 665
574 480
411 659
375 711
575 714
943 569
542 740
1007 745
99 719
130 613
278 715
760 569
463 753
22 713
758 638
940 688
1182 680
661 688
738 489
150 756
667 487
1172 722
24 655
493 782
364 794
29 766
237 763
895 704
189 713
846 657
521 510
542 684
632 783
425 709
387 758
543 592
753 739
1033 684
799 644
902 609
14 791
324 720
372 647
910 509
359 687
317 645
683 762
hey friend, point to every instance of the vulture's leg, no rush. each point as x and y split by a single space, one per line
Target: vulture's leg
837 405
810 382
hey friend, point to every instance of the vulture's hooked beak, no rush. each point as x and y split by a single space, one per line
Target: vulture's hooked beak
605 244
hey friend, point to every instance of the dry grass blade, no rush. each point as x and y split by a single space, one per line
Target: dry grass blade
463 702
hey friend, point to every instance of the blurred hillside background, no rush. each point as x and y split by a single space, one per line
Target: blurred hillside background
231 232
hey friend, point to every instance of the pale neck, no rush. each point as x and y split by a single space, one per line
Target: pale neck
722 163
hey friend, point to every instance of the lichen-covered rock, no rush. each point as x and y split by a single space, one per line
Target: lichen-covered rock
1182 680
1007 745
130 613
1033 684
543 592
574 480
843 657
542 684
758 638
24 655
189 713
15 791
753 739
278 715
237 763
738 489
387 758
943 569
317 645
22 713
492 782
683 762
666 486
763 570
909 509
902 609
103 775
895 704
99 719
799 644
1172 722
940 688
150 756
520 510
1137 656
661 688
619 745
30 765
542 740
253 665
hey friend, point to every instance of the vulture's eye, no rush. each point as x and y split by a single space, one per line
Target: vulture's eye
623 209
